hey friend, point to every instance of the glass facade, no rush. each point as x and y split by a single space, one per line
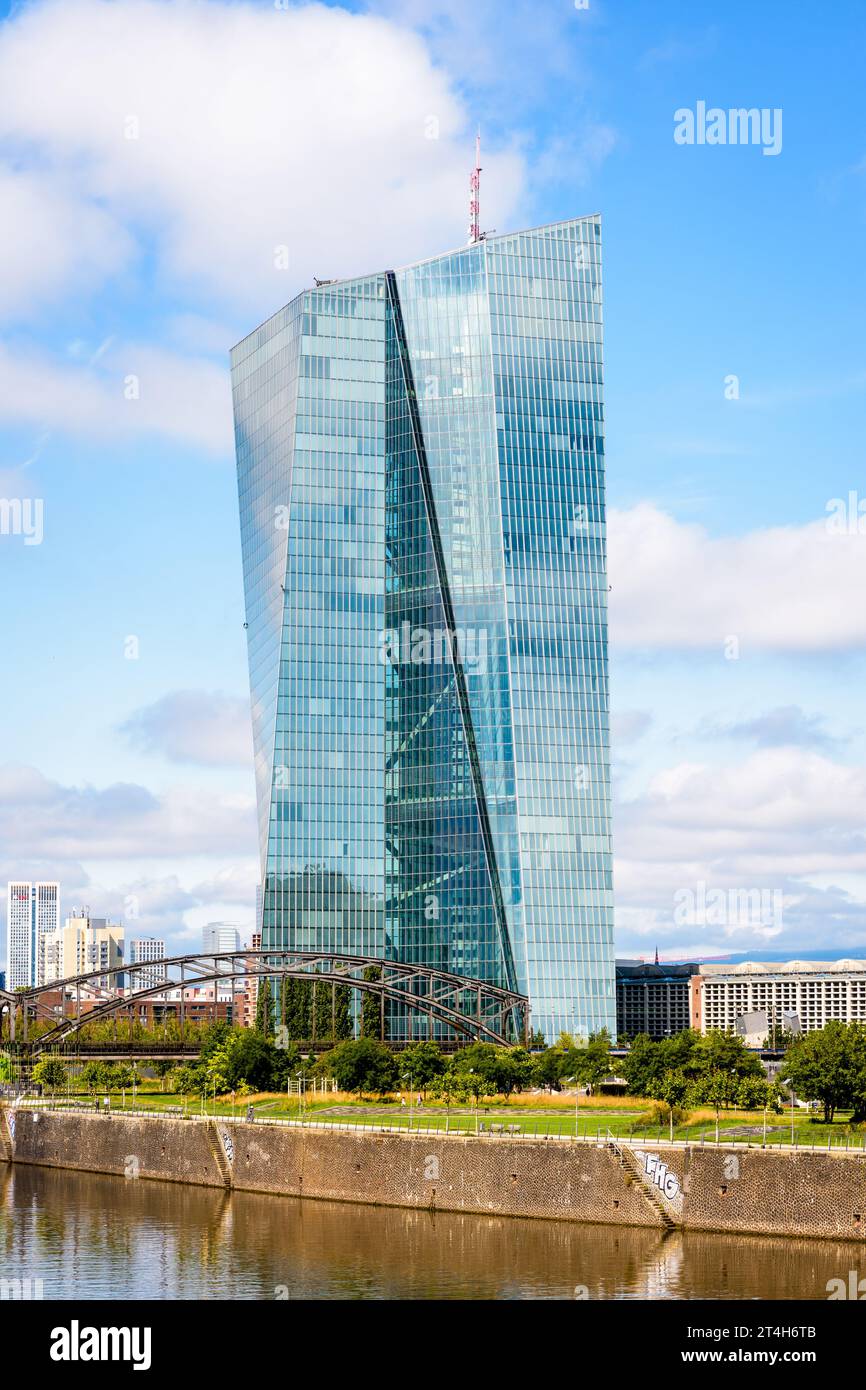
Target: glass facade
421 485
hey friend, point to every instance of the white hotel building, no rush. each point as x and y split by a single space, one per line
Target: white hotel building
814 991
147 948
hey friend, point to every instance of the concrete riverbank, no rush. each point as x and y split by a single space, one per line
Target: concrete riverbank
768 1192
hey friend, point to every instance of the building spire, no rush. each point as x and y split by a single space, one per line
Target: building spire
474 194
657 955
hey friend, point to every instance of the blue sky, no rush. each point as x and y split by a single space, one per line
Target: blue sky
154 157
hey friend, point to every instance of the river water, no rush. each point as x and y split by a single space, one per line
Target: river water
92 1236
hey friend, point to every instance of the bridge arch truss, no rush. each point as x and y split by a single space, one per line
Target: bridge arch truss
471 1009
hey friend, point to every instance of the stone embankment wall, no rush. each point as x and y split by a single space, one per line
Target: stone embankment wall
761 1191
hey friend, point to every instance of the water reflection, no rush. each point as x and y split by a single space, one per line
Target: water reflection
93 1236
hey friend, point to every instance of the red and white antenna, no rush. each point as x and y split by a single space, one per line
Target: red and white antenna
474 194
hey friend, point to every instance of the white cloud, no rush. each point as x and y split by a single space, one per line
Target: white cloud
195 726
123 822
232 886
776 728
779 589
52 242
628 725
679 50
152 905
785 819
123 390
254 127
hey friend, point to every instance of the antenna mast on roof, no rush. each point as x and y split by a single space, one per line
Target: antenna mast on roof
474 194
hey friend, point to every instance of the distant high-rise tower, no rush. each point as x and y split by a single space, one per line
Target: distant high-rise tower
220 936
421 483
31 919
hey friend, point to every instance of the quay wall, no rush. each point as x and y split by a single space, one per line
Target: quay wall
754 1190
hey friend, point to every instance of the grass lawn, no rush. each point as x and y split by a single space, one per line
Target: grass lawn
623 1117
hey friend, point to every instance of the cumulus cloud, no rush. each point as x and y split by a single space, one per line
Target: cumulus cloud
145 902
127 389
151 905
785 820
195 726
776 589
52 240
124 821
222 132
515 54
810 914
785 725
235 884
628 725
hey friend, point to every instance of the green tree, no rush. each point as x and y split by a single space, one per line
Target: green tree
214 1036
188 1080
590 1065
475 1084
264 1024
857 1047
826 1065
119 1076
453 1087
672 1088
755 1092
423 1061
521 1064
323 1006
723 1052
715 1088
286 1061
50 1073
449 1085
549 1068
363 1066
342 1013
214 1079
484 1060
647 1062
93 1076
299 1010
250 1059
163 1069
284 1000
371 1007
501 1069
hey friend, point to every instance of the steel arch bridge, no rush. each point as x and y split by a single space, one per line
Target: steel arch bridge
473 1009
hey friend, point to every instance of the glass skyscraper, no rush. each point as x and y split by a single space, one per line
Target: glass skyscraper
421 483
